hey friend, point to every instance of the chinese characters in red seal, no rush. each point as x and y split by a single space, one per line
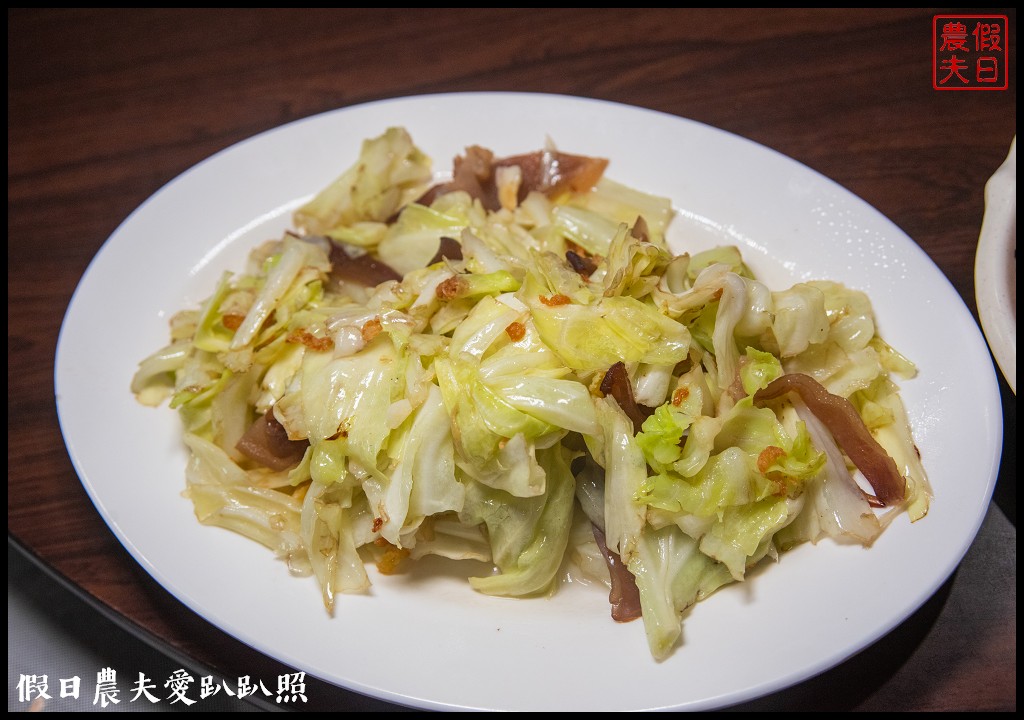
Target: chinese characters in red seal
970 52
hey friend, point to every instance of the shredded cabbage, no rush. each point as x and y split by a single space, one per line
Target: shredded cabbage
464 411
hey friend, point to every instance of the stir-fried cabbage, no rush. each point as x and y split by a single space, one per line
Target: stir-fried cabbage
544 367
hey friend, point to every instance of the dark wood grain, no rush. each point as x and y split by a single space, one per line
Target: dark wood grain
104 107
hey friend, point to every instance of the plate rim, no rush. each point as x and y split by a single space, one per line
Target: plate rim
996 251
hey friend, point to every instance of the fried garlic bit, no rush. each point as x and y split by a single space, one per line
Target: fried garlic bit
390 562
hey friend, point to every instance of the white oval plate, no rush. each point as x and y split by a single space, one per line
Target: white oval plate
426 639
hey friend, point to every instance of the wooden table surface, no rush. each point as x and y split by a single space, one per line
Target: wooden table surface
105 107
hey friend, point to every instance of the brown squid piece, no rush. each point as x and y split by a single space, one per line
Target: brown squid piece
363 270
851 434
448 248
584 265
548 172
625 595
266 441
616 383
